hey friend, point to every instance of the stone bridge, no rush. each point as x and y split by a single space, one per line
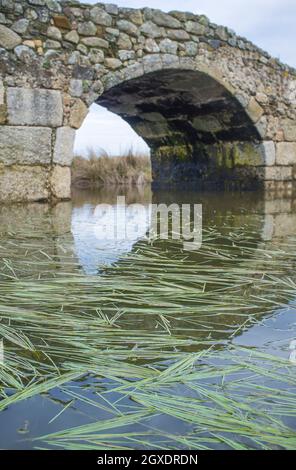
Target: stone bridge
214 109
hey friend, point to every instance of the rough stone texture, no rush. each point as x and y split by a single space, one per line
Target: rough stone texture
78 114
72 36
76 88
23 183
286 153
24 53
278 173
289 128
60 182
268 149
163 19
8 38
64 143
95 42
25 145
254 110
211 105
87 29
3 108
34 107
152 30
195 28
20 26
100 16
54 33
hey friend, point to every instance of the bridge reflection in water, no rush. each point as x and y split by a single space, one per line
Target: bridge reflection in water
158 294
67 235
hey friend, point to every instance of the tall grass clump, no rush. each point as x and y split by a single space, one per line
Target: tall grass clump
130 169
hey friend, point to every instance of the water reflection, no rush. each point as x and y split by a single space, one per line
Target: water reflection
99 226
157 293
72 233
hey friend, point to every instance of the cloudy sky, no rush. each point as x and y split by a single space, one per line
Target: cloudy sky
271 24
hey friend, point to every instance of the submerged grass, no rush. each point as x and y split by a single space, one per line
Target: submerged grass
146 350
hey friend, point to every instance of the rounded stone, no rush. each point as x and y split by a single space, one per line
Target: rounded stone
8 38
54 33
112 63
73 37
127 27
152 30
168 46
20 26
100 16
24 53
87 29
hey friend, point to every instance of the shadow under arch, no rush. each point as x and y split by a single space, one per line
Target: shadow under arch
199 129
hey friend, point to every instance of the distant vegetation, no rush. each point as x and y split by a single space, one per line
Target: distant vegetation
101 169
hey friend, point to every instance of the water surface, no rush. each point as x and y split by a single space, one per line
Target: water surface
118 314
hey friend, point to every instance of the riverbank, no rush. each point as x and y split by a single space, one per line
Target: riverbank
104 170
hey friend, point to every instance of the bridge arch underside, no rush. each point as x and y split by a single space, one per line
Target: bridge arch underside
198 132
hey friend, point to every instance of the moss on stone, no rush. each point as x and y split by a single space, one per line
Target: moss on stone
174 152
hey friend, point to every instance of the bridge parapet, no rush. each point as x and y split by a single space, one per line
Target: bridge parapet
211 105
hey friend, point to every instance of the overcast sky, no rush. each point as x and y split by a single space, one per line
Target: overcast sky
270 24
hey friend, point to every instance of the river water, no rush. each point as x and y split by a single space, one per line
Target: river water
148 327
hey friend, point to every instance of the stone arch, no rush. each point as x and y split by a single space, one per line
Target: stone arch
173 108
56 58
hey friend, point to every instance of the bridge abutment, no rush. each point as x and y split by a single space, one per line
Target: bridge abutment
37 142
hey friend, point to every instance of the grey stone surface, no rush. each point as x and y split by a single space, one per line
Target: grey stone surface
268 149
1 93
21 183
95 42
96 56
164 19
278 173
20 26
60 182
73 37
8 38
52 44
151 30
124 41
87 29
112 63
286 153
76 88
289 127
54 33
178 34
64 143
100 16
168 46
34 107
25 145
111 8
190 48
151 46
195 28
24 53
127 27
126 55
78 113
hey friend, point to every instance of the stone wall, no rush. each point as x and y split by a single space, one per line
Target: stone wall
233 120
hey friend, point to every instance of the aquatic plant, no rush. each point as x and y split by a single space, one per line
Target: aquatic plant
147 350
